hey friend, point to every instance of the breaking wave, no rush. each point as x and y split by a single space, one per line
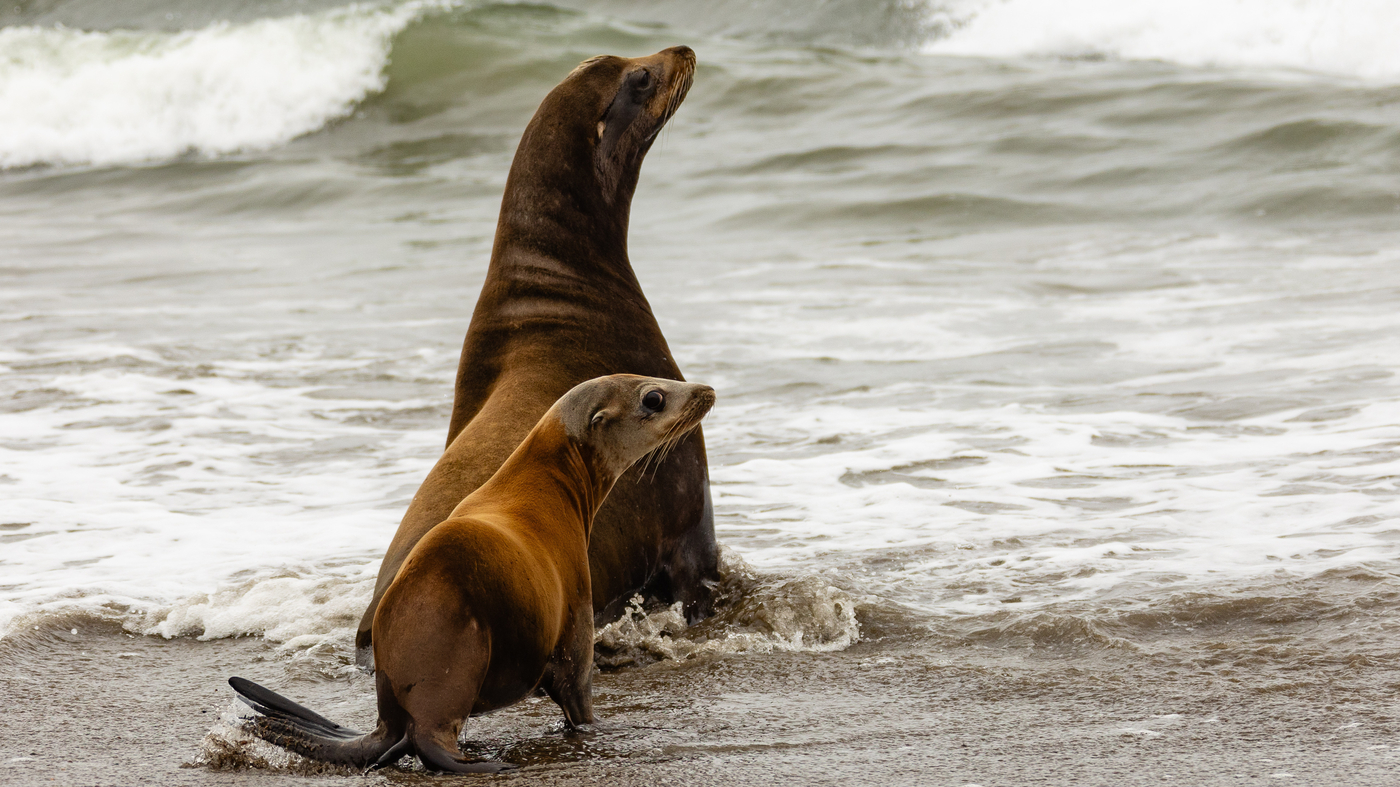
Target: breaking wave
77 97
1346 37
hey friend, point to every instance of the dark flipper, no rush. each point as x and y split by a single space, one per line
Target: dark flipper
436 758
299 729
302 730
270 703
402 748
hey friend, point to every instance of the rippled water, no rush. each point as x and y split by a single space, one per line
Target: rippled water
1054 353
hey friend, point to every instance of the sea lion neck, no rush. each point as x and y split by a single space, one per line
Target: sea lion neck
547 469
556 206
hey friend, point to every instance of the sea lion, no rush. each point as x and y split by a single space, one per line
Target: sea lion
560 305
496 600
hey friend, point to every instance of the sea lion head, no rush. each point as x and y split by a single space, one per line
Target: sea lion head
633 99
618 419
582 152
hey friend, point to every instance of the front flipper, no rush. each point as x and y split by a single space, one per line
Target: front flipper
568 678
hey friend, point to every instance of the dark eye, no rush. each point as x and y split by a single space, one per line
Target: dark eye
654 401
641 80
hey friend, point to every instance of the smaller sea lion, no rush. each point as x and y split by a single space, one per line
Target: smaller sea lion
496 600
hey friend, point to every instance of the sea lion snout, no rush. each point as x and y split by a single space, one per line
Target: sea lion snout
678 64
696 402
685 404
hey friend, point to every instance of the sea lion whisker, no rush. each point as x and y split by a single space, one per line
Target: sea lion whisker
645 464
678 93
658 455
652 461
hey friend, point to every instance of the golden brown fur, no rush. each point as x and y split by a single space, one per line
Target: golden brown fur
495 600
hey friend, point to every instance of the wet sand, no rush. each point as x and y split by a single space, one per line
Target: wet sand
101 707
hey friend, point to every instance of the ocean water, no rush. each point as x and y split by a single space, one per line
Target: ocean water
1058 434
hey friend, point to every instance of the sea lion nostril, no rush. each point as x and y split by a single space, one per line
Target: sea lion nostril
654 401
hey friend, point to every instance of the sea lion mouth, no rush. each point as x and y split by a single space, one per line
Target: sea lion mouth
680 86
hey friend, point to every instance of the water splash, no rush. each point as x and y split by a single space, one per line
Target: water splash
755 616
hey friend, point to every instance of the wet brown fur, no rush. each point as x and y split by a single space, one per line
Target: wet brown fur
560 305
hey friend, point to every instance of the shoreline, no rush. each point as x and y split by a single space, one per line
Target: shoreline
105 707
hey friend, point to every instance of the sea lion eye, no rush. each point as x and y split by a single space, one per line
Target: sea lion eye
654 401
641 80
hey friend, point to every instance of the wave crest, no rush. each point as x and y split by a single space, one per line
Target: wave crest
77 97
1348 37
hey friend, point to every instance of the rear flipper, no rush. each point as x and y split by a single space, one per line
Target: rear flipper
270 703
302 730
439 758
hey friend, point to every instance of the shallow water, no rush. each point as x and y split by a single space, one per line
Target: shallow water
1056 362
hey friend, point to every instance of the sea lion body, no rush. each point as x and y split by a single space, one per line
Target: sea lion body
496 599
561 305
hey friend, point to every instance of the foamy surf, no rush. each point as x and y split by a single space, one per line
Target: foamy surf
1345 37
756 615
96 524
76 97
1071 507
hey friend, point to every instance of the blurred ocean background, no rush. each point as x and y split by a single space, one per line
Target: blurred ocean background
1056 342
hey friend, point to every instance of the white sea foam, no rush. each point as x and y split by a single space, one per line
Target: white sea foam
161 502
1219 438
71 96
219 503
1348 37
1064 514
805 614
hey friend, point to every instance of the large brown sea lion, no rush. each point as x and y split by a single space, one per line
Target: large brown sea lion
560 305
495 600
